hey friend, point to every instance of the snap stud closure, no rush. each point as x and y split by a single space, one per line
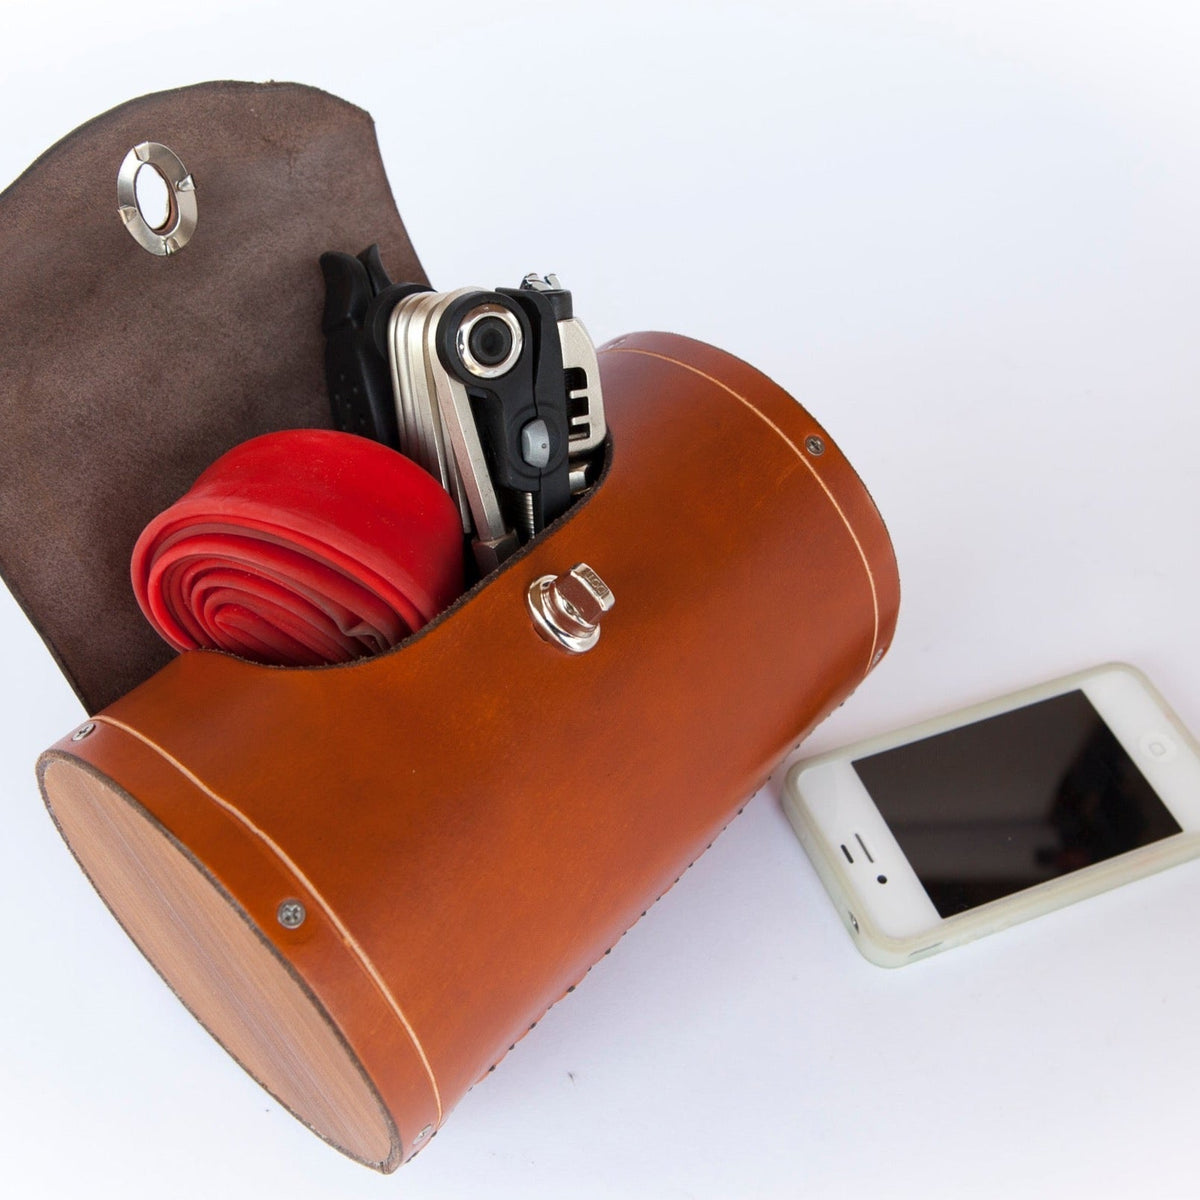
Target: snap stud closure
567 608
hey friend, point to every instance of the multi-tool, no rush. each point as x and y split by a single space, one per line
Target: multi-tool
495 393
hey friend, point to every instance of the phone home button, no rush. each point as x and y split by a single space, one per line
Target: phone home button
1158 746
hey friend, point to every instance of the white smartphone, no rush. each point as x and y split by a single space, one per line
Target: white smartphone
936 834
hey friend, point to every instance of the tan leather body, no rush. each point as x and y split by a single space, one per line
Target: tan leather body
472 819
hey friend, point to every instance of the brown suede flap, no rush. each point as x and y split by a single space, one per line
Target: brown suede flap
123 374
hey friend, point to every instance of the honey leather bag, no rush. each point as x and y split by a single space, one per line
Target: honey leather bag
368 881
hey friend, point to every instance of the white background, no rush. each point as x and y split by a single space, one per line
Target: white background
966 237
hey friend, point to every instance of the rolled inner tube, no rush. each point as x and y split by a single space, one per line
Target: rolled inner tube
301 547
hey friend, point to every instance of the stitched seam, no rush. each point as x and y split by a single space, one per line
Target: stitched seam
800 455
347 937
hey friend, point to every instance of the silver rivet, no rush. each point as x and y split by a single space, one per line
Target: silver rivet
422 1135
814 445
567 608
83 731
291 914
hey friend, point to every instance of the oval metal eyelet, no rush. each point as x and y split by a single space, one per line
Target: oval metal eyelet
180 224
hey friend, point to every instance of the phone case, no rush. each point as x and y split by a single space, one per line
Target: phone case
369 881
888 951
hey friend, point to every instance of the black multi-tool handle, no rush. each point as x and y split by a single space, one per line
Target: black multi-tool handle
521 415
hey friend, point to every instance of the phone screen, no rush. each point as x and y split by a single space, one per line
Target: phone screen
987 809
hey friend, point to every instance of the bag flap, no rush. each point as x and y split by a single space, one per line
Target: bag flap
124 373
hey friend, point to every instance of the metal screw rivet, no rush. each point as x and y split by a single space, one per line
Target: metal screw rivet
83 731
291 914
814 445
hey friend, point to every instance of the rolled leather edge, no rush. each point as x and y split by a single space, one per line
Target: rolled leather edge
482 815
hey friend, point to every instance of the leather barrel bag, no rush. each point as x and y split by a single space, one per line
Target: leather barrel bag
368 881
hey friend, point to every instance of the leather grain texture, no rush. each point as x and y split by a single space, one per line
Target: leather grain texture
124 375
472 819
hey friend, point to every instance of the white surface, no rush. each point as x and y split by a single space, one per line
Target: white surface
966 237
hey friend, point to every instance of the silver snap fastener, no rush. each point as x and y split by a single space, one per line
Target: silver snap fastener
566 609
83 731
814 445
422 1135
179 224
291 914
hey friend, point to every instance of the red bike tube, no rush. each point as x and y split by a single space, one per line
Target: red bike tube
301 547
